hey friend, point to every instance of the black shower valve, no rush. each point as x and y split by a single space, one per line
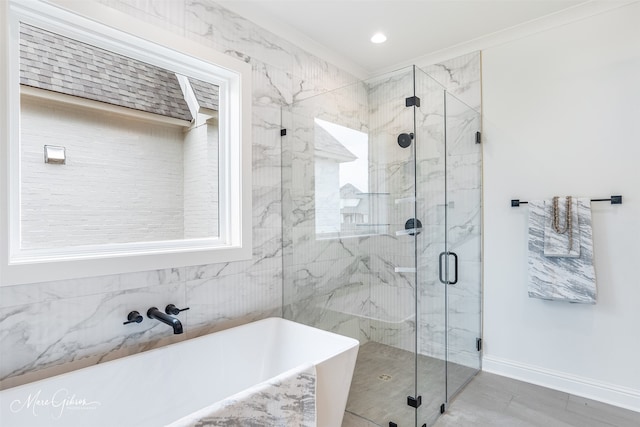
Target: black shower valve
404 139
133 317
173 310
413 224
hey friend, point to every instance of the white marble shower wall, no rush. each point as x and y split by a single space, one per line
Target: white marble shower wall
461 77
52 327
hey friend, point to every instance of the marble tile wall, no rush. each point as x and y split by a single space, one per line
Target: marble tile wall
53 327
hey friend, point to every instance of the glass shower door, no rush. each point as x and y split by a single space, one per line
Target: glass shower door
448 195
463 242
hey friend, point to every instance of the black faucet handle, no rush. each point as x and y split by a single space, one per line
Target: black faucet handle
133 317
173 310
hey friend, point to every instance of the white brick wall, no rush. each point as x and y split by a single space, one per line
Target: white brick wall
123 180
201 181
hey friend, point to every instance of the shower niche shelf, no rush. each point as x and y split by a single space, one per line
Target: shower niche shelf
405 269
410 199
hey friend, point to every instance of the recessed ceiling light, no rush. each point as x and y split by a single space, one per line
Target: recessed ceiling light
378 38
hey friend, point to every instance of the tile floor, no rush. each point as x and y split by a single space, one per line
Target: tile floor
491 400
384 377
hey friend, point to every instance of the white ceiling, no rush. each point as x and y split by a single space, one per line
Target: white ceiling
414 28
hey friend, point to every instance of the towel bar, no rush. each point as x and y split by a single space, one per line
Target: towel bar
615 200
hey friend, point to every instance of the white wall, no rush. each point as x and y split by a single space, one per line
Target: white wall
562 116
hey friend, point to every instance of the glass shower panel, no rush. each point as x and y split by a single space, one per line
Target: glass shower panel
430 243
391 348
349 263
327 211
463 183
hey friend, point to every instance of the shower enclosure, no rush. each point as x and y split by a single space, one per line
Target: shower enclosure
381 186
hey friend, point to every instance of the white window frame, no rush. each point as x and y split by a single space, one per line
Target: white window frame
106 28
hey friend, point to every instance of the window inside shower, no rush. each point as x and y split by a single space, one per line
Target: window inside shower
343 204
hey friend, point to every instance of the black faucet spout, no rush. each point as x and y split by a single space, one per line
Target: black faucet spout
154 313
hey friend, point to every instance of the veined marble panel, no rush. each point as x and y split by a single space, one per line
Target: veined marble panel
272 86
307 247
225 301
267 252
51 291
392 304
266 168
267 207
341 310
313 76
39 335
461 77
396 334
304 281
346 106
213 25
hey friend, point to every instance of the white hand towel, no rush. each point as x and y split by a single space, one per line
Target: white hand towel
556 244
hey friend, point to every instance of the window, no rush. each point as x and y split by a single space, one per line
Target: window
343 200
123 154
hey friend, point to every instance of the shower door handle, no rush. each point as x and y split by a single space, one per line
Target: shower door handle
455 267
442 255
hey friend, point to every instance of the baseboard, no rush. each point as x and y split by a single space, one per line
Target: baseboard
612 394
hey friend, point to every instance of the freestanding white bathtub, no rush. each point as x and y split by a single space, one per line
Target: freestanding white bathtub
160 386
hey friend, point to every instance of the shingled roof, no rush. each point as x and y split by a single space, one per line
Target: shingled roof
53 62
206 93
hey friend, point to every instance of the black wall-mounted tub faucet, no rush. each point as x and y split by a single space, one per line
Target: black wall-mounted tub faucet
154 313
